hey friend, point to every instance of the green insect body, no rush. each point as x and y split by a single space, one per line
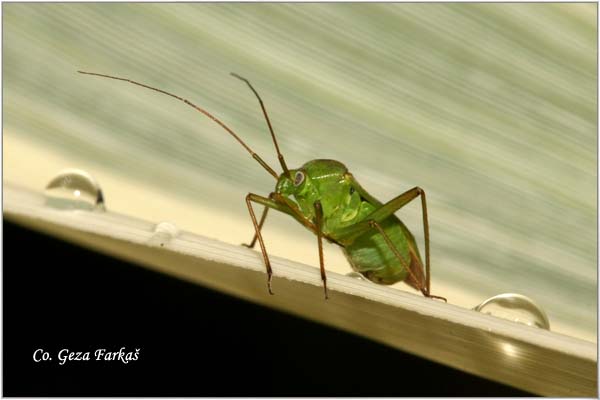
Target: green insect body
345 204
370 255
324 197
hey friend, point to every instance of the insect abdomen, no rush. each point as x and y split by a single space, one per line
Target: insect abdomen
370 255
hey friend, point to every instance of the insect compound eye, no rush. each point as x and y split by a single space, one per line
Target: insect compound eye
351 190
299 178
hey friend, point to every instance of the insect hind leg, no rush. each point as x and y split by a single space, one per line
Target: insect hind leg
413 280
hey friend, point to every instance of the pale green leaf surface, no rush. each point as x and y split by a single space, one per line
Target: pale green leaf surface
491 108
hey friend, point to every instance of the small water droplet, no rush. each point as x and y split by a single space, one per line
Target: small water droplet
517 308
74 189
164 232
356 275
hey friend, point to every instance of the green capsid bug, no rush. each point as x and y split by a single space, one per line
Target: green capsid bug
324 197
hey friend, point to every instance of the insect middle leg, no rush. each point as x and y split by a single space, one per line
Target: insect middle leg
319 221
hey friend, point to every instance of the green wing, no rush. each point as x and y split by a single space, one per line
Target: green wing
361 191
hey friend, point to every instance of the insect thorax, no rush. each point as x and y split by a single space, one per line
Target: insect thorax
328 182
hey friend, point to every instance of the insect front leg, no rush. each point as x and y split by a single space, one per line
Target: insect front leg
268 203
293 212
260 225
319 221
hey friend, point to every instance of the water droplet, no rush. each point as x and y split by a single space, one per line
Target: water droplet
74 189
164 232
356 275
517 308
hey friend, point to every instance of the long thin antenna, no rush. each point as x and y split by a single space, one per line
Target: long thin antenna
279 155
209 115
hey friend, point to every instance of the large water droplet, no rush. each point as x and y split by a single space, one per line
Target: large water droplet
74 189
517 308
164 232
356 275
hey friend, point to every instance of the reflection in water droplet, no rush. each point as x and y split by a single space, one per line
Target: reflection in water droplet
164 232
74 189
509 349
515 307
356 275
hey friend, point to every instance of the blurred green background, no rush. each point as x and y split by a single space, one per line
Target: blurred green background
491 108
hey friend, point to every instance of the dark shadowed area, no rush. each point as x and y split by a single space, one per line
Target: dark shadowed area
193 341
